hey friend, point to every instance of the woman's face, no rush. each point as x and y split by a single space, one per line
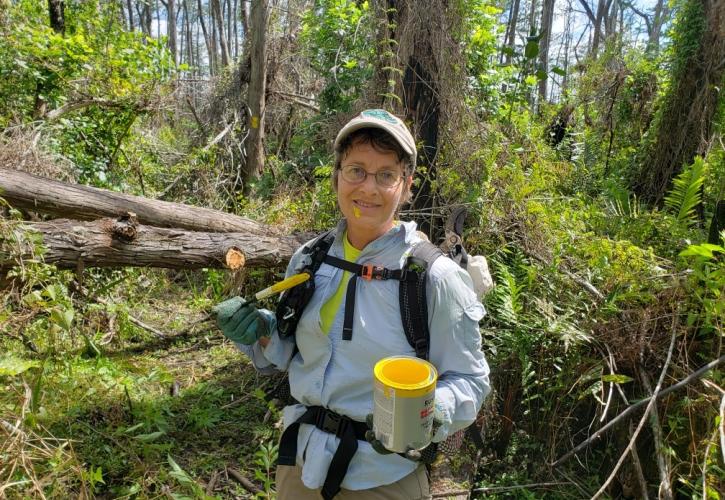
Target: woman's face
368 206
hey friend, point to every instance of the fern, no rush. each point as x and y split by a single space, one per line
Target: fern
685 194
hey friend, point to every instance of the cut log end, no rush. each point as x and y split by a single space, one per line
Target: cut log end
235 259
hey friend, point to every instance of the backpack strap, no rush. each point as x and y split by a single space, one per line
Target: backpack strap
412 295
293 301
366 271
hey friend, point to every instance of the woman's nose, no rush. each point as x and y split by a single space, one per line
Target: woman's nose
369 183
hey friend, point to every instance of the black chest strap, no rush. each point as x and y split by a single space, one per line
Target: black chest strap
347 430
366 271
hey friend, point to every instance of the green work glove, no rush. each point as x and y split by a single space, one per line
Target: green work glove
239 321
414 455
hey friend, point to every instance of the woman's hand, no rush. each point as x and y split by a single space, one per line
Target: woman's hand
240 321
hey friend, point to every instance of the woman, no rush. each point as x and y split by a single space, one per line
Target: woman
331 372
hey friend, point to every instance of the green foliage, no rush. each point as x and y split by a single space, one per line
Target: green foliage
266 458
338 38
95 65
11 365
686 191
706 285
480 44
554 224
186 482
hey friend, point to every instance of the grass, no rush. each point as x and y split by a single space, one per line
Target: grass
145 418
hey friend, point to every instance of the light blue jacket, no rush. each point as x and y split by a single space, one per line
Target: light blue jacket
337 374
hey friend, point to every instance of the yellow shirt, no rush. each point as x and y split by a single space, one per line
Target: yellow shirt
329 309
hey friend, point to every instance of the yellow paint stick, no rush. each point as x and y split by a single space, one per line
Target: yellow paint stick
281 286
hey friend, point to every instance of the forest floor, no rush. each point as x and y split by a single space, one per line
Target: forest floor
142 416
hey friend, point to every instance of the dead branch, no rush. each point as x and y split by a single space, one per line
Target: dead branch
84 103
663 462
637 464
650 406
626 413
220 136
498 489
246 483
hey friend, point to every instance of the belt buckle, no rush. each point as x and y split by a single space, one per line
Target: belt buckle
333 423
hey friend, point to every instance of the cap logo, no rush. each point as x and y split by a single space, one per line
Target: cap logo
380 114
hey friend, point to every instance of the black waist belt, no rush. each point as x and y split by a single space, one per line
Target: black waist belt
348 430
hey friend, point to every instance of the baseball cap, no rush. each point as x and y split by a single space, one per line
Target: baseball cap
379 118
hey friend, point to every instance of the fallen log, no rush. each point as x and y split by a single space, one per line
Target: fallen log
75 201
120 242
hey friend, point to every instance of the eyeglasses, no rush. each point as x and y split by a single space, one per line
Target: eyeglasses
384 178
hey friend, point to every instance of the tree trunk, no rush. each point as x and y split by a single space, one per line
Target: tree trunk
610 20
257 90
190 61
145 18
171 27
235 23
532 17
429 59
684 125
246 16
56 9
123 242
207 38
662 12
230 29
60 199
158 19
547 17
218 20
596 21
510 38
129 5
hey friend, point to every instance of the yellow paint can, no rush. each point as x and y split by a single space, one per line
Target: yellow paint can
403 402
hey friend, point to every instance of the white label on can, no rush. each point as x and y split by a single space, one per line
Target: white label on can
384 421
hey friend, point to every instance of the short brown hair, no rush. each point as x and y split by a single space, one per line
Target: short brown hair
380 140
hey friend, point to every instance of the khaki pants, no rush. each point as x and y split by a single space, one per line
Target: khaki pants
414 486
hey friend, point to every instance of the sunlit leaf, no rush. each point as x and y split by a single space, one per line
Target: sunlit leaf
11 365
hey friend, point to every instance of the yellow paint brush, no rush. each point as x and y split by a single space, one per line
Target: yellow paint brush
280 286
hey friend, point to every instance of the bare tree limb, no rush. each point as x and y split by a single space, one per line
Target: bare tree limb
299 102
626 413
663 462
589 12
650 406
220 136
103 103
640 14
246 483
